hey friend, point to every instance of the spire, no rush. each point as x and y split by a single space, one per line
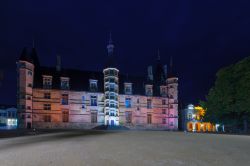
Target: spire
110 46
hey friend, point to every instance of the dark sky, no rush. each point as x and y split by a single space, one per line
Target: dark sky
201 36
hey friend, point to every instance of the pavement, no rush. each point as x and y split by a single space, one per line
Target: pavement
132 148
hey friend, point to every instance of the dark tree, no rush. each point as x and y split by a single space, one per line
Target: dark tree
228 102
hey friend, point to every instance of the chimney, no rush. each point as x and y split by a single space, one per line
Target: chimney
165 69
150 73
58 63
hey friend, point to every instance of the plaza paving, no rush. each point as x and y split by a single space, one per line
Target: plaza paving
156 148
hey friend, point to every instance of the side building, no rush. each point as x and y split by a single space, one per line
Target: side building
54 97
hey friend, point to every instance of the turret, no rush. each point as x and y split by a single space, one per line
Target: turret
25 81
111 88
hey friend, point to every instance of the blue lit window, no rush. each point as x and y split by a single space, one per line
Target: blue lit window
149 103
65 98
128 102
93 101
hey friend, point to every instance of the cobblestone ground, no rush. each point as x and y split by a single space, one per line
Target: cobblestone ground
156 148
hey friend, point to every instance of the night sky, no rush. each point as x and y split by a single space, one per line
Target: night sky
201 36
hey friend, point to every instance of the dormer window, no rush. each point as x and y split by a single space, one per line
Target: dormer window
163 91
64 83
149 90
47 82
128 88
93 85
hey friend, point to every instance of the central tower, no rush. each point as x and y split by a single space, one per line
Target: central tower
111 88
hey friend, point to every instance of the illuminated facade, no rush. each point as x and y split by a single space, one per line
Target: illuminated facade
193 121
54 97
8 117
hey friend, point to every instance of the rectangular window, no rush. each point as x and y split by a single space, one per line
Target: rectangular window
47 118
149 118
65 116
138 108
83 101
171 123
28 108
47 82
128 88
47 95
93 101
128 117
29 73
163 102
93 85
93 117
163 111
163 91
65 99
28 98
47 106
128 102
149 90
138 100
149 103
171 106
163 121
65 83
30 85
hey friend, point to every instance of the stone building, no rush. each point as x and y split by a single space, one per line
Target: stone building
55 97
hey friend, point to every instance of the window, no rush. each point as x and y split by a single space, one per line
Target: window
93 85
29 73
149 90
171 115
163 102
30 85
28 98
171 106
83 101
128 88
163 111
190 116
93 117
149 118
138 108
93 101
171 123
163 121
28 108
65 98
138 100
47 106
149 103
47 82
163 91
47 118
128 102
47 95
65 116
128 117
64 83
111 87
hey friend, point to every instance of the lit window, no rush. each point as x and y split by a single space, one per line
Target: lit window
93 85
47 82
64 83
47 95
149 90
47 106
65 99
149 103
128 88
128 102
93 100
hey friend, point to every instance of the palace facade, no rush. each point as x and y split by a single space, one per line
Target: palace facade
55 97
